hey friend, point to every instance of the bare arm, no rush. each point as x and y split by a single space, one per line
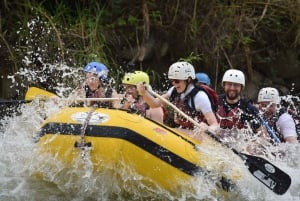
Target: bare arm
149 99
117 103
211 119
156 114
291 139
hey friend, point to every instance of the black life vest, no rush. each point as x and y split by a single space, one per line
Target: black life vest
186 108
139 108
95 94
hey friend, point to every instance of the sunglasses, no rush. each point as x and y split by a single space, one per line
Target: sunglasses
174 81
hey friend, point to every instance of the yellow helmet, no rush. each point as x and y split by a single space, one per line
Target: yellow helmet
135 78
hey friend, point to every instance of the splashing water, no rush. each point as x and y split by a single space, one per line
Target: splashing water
20 161
27 174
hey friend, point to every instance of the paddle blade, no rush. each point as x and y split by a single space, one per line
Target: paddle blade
267 173
33 92
270 175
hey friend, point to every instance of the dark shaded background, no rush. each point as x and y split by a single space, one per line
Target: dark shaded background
259 37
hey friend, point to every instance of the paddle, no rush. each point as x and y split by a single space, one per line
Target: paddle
270 131
14 102
255 111
33 92
267 173
96 99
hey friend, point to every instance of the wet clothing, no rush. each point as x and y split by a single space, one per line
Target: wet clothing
283 124
139 108
240 115
106 93
192 104
85 92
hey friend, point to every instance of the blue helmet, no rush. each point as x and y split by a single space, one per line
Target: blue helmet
203 78
97 68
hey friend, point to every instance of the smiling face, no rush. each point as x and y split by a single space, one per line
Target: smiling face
232 91
92 80
131 90
180 85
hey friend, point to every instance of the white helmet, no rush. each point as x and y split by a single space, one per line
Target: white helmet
235 76
268 94
181 71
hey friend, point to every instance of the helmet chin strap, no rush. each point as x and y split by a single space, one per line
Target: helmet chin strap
187 84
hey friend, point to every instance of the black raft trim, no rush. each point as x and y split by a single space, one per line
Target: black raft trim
134 138
128 135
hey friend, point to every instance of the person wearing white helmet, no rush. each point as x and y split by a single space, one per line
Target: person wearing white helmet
238 116
184 95
278 118
234 112
134 102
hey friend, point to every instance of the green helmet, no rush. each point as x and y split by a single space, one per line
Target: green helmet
135 78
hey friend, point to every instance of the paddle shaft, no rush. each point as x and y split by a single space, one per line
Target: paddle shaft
268 174
270 131
96 99
33 92
264 122
10 102
175 108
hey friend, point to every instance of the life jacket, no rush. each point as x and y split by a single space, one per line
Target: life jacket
271 122
139 108
186 108
165 112
212 95
239 115
97 94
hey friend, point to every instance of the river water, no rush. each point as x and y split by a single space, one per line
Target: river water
19 161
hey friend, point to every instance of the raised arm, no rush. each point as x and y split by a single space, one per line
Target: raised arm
149 99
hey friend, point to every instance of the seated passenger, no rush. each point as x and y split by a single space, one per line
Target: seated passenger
134 102
190 100
95 85
278 119
235 112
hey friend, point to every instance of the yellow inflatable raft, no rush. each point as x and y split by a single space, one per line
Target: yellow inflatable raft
162 154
